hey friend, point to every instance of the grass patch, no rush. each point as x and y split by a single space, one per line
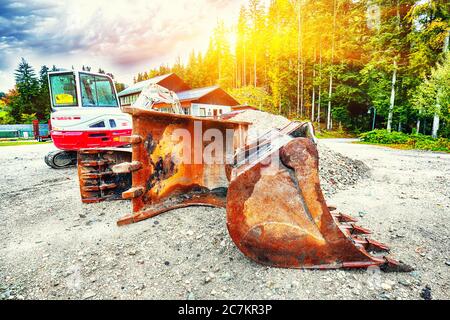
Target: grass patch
324 134
20 143
393 145
400 140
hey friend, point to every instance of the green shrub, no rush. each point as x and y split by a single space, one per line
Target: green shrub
384 137
415 141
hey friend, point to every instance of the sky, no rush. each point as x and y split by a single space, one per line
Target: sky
121 37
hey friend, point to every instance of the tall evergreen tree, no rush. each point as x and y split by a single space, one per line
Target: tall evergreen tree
27 86
42 109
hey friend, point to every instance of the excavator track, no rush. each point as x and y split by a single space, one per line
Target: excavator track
61 159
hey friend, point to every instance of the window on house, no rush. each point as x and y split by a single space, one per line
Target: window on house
202 112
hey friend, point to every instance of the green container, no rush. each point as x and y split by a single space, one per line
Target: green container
9 133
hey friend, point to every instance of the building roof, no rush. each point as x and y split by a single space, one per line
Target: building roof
244 107
208 95
195 94
139 86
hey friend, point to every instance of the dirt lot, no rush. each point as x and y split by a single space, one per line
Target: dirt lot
53 247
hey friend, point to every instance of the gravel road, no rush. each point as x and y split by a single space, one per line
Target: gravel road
54 247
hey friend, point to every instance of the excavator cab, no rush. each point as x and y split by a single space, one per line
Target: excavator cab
85 114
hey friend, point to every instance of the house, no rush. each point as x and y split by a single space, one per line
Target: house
170 81
201 102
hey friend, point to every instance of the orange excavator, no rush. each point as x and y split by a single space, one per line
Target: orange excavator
276 212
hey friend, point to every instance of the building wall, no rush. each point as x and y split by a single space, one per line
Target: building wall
207 110
128 100
218 97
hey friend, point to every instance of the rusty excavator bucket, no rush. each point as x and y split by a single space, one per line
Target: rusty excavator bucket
277 215
276 212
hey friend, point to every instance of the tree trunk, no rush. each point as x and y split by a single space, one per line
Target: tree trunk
245 69
301 90
330 91
320 82
313 102
435 125
435 129
254 68
329 126
392 102
299 56
394 79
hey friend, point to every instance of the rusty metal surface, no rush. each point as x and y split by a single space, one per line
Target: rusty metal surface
165 180
98 181
279 217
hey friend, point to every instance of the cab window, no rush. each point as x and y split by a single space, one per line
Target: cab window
64 91
97 91
100 124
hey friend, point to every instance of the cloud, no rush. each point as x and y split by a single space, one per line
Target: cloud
17 20
120 34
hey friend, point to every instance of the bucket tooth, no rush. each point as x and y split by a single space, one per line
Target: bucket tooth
96 175
133 193
391 265
352 228
345 218
126 167
95 163
355 229
133 139
100 187
371 245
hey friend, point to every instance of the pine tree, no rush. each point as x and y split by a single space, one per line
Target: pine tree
43 102
28 89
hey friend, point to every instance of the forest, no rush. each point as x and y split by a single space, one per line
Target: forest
353 65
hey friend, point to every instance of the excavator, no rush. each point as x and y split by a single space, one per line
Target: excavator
276 212
85 114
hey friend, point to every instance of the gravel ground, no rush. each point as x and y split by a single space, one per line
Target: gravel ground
337 172
54 247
